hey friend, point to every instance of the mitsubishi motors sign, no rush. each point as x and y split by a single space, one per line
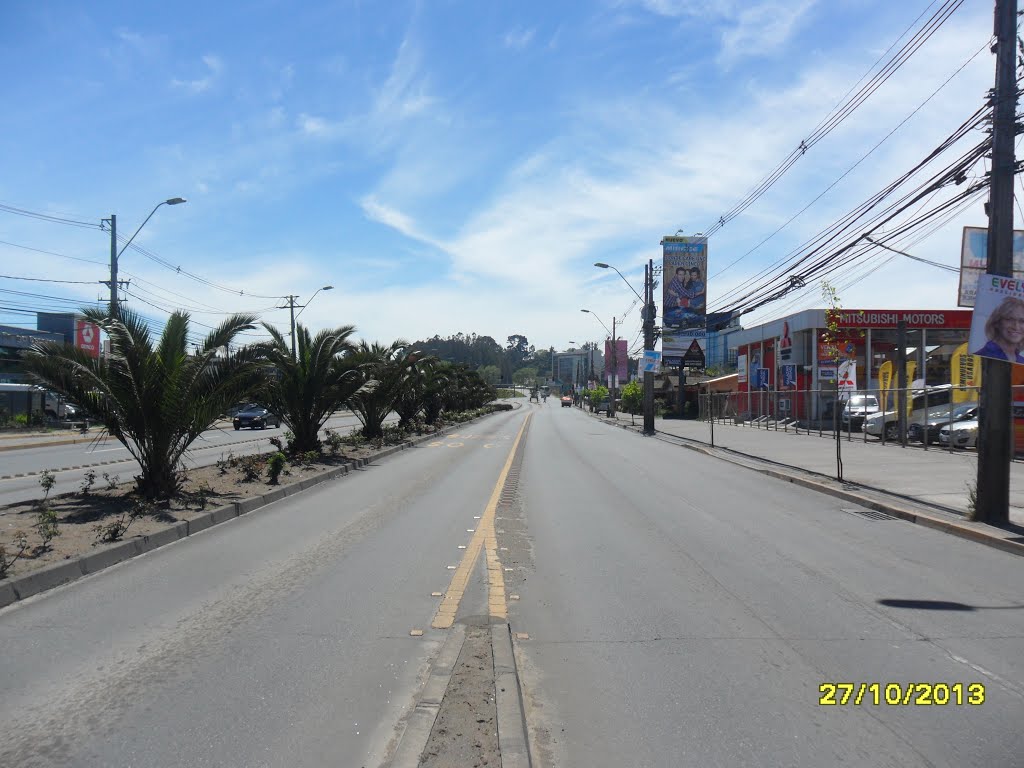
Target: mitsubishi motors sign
87 337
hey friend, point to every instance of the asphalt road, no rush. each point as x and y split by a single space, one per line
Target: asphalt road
676 611
111 457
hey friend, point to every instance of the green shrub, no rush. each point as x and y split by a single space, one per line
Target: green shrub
21 420
47 480
334 442
89 480
275 464
8 559
116 528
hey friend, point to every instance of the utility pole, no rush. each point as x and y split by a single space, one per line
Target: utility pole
995 433
649 312
291 307
113 266
615 374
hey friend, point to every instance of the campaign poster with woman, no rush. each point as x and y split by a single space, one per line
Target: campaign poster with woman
997 329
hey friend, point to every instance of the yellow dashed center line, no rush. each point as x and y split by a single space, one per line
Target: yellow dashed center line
484 538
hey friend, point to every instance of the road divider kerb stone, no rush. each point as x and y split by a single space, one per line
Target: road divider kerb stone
980 533
513 743
71 570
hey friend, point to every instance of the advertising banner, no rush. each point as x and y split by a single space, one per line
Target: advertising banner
619 360
785 344
87 337
911 370
763 380
965 375
741 369
789 376
884 383
847 378
998 327
684 294
974 261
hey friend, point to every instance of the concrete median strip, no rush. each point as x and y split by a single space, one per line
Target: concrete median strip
64 573
998 538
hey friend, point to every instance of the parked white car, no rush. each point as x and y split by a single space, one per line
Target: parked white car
962 434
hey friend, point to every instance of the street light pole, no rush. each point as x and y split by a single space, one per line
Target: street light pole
115 255
291 307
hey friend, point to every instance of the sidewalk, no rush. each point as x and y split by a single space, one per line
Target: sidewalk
934 480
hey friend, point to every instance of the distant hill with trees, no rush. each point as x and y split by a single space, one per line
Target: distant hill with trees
516 362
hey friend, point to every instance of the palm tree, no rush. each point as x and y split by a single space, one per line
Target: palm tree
389 366
315 383
156 400
412 398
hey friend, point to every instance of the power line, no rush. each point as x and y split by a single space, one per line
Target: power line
46 217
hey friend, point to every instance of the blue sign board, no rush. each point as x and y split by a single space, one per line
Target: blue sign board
762 378
789 376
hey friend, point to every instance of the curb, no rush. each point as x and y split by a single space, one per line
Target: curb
68 571
976 532
46 443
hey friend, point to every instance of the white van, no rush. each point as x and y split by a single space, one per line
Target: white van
921 401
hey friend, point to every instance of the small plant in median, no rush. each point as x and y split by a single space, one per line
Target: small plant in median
46 526
116 528
274 467
334 442
112 481
252 467
8 559
47 480
88 482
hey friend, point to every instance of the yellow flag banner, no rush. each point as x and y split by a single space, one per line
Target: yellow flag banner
965 375
911 370
884 383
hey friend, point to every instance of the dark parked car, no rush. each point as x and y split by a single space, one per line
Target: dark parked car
566 401
255 417
938 419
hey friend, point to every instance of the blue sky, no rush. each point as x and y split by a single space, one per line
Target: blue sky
457 166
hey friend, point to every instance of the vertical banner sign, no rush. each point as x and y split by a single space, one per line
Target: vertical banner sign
884 383
997 328
965 375
789 376
87 337
741 369
621 358
785 343
847 378
762 378
684 295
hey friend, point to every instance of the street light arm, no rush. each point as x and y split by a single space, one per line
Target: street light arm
597 318
609 266
324 288
171 201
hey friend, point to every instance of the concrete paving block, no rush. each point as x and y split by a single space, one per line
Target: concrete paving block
46 578
164 537
7 594
201 523
246 506
223 514
275 495
105 558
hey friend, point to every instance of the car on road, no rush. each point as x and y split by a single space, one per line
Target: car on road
255 417
927 431
856 410
962 434
566 401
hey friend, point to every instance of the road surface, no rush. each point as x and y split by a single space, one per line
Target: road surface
670 610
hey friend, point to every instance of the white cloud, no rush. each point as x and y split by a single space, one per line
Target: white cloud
761 29
214 69
519 38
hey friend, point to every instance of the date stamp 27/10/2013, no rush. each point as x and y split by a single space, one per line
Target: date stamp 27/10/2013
901 694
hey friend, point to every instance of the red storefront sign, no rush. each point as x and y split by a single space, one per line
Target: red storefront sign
87 337
914 318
